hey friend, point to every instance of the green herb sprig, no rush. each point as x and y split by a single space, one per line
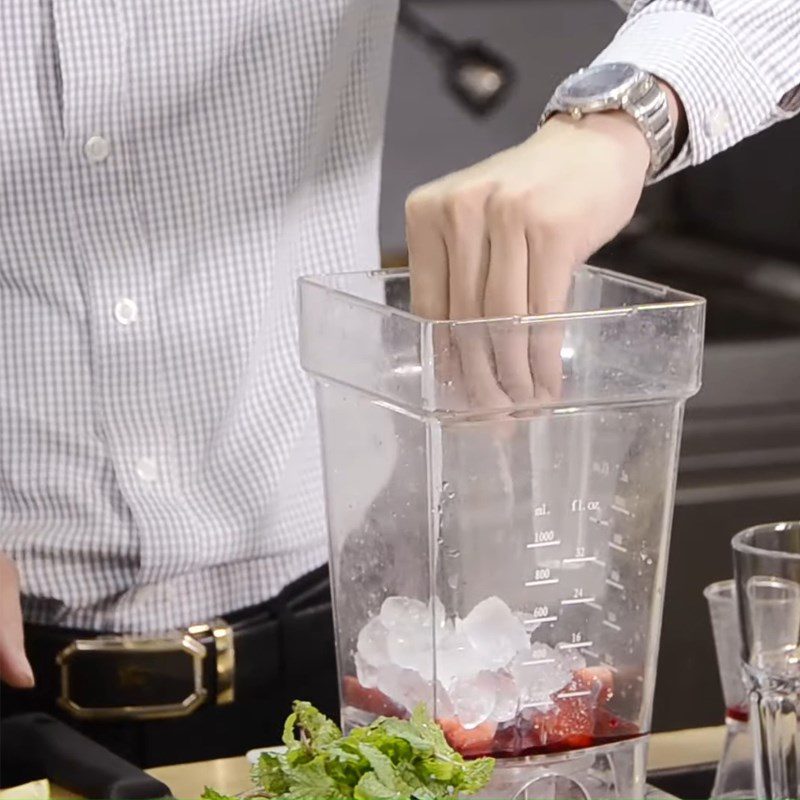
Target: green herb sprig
390 759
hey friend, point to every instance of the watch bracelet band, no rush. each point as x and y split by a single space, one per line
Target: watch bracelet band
649 108
651 112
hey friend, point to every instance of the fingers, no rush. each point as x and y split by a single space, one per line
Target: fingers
551 260
467 243
487 249
430 292
506 293
427 258
14 667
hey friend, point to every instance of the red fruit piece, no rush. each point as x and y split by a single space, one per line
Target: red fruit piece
469 742
610 726
372 700
599 679
571 720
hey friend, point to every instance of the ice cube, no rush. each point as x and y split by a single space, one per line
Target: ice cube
408 688
443 706
474 698
495 632
404 686
507 697
539 674
404 612
372 643
571 658
367 674
455 656
437 612
411 647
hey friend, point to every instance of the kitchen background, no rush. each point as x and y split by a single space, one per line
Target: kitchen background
729 230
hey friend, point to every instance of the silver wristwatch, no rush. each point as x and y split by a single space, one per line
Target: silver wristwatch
619 87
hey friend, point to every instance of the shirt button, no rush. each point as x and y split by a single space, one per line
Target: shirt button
146 469
97 149
126 311
717 123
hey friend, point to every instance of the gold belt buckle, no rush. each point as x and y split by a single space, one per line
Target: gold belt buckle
156 677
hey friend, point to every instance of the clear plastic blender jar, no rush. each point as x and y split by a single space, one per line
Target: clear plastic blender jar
498 553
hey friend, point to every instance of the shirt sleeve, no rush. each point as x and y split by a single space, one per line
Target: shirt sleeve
735 64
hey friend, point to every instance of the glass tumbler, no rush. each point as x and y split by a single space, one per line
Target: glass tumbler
767 569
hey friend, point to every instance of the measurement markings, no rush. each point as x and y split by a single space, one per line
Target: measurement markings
542 582
576 601
621 509
552 618
580 693
591 653
612 625
538 661
573 645
615 584
618 547
532 545
578 559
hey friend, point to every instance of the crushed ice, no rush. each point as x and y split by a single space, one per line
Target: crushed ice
487 669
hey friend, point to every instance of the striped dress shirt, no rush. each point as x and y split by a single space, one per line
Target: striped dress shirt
168 168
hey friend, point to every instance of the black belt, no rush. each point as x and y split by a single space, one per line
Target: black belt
112 677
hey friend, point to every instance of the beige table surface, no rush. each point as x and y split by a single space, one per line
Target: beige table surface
231 775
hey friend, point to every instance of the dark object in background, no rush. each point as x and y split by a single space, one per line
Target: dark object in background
690 783
749 195
36 746
284 651
478 76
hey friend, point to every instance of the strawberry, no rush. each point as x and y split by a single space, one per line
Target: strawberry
469 742
599 680
571 720
372 700
609 726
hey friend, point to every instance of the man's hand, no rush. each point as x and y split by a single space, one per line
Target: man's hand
502 238
14 667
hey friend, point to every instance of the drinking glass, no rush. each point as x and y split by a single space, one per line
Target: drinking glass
767 569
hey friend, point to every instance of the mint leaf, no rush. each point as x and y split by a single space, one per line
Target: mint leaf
370 787
390 759
316 730
476 774
310 781
268 773
211 794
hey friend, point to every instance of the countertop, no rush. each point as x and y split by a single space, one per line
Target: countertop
231 775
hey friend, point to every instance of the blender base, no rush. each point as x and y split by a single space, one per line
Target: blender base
598 773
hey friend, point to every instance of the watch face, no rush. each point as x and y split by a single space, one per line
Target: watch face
598 83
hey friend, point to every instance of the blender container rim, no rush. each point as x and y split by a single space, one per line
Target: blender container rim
678 298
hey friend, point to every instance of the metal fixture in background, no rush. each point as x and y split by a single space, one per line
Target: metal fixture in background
478 77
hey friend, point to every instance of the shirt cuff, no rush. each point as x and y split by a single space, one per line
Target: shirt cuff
724 95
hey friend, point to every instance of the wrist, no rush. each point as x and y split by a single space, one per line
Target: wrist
617 127
652 108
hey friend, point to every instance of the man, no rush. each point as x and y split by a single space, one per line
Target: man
168 170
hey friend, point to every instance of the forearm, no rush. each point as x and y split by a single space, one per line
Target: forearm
734 65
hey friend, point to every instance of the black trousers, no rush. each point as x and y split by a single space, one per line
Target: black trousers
294 658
